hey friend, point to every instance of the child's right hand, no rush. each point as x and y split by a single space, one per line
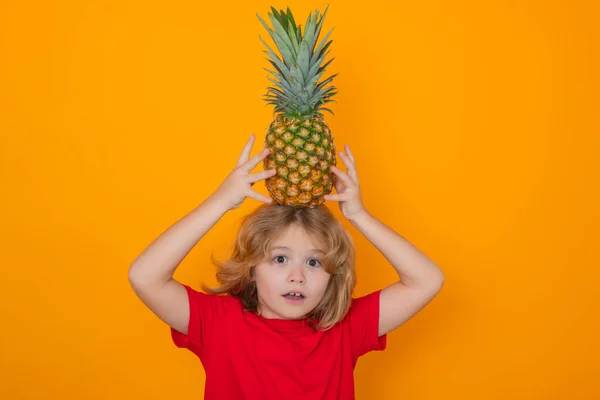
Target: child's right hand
238 184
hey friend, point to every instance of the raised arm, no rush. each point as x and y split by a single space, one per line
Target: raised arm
420 279
151 273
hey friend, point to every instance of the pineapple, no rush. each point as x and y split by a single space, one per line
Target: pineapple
302 148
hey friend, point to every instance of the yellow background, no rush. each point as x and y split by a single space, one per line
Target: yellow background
475 127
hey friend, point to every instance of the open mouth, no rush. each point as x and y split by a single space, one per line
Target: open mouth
294 296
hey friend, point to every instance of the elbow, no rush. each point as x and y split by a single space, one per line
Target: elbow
441 283
132 273
139 276
133 277
136 275
436 282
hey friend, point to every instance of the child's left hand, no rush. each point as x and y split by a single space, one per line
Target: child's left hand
347 187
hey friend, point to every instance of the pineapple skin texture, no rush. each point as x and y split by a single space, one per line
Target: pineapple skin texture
302 152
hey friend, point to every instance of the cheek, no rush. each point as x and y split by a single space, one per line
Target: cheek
266 281
321 281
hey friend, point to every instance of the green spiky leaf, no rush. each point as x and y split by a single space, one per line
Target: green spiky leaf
284 49
302 60
293 37
318 28
283 35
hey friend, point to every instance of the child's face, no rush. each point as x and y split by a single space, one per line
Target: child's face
294 265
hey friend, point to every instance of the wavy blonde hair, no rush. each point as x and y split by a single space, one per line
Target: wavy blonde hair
252 246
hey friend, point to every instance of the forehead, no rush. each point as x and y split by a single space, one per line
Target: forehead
295 238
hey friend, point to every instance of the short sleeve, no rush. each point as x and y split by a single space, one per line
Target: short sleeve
363 320
205 310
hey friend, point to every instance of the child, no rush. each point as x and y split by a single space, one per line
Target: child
288 327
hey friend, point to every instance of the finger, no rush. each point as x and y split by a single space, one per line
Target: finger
335 197
260 197
262 175
246 152
350 166
343 176
253 162
350 154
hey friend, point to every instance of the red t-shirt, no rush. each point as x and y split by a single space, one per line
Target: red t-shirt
246 356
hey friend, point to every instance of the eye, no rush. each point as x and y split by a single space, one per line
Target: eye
318 263
278 258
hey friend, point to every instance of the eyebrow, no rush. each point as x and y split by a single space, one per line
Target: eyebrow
287 248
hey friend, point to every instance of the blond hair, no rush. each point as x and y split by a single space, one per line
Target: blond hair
252 245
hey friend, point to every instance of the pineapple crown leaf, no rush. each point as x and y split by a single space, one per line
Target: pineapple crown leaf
281 18
292 23
322 46
280 74
283 48
276 62
293 36
287 21
283 34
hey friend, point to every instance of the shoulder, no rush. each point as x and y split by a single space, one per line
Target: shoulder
209 315
365 304
362 308
214 303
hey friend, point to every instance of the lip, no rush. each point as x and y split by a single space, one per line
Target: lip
295 291
299 300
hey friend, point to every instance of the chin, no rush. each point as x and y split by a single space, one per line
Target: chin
297 314
300 315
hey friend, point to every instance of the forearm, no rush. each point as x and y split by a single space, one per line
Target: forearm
413 267
158 262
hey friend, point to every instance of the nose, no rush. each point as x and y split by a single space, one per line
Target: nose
296 275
